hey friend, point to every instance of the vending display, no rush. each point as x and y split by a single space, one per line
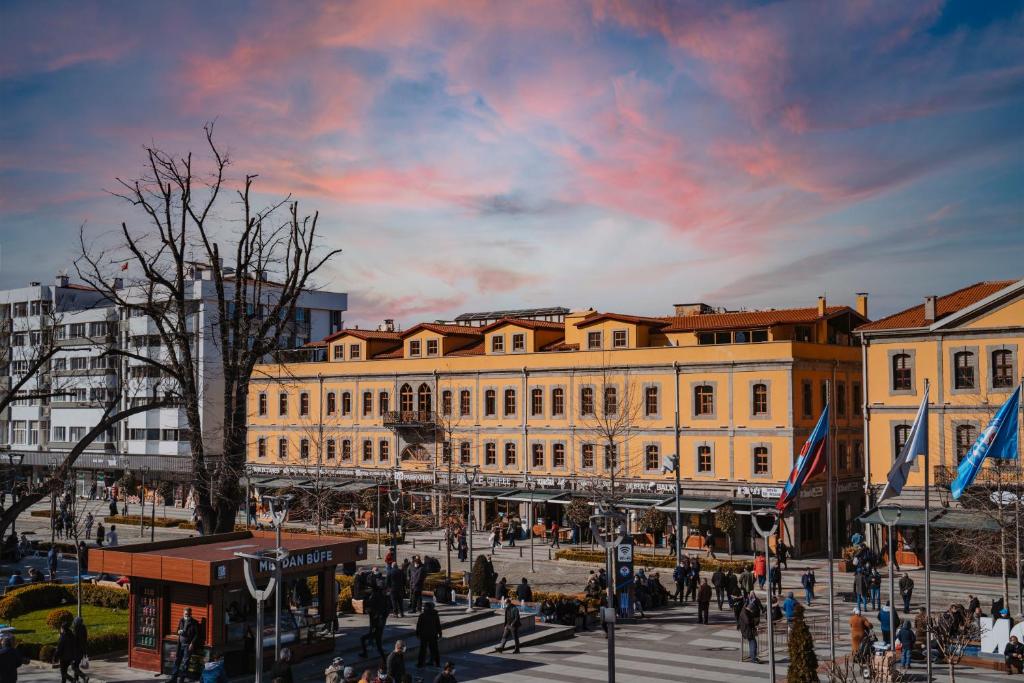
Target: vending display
146 615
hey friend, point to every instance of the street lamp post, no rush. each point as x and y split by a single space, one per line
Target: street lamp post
470 471
897 512
530 486
260 595
395 497
609 530
53 502
766 533
380 483
142 503
671 464
278 512
14 461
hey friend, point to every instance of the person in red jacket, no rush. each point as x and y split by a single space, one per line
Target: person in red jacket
760 569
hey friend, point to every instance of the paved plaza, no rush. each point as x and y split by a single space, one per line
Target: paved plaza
667 645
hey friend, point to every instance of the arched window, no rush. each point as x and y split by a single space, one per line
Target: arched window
332 402
587 401
383 450
423 399
304 448
384 402
558 456
703 400
346 403
652 457
902 377
304 403
902 434
405 399
332 449
759 399
1002 369
464 453
537 402
465 403
510 402
490 401
963 370
966 435
510 454
557 402
446 402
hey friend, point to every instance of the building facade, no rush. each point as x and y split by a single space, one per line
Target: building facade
545 410
66 399
966 346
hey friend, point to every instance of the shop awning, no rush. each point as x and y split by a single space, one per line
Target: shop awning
691 505
964 519
643 502
481 493
356 486
281 483
742 506
542 496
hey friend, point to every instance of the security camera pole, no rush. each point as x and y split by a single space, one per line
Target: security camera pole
609 530
278 513
773 516
260 595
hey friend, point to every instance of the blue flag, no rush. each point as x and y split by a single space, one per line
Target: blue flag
999 440
917 444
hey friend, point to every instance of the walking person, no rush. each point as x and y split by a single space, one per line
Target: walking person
704 602
807 581
100 533
746 581
495 538
10 660
775 583
709 542
188 635
906 591
51 562
679 577
81 635
884 622
718 583
875 583
732 586
747 624
396 589
463 546
555 529
861 589
760 569
859 626
112 536
512 624
88 525
428 630
64 656
376 607
417 579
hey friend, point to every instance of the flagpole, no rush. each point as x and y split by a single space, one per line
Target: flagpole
927 563
1016 516
828 520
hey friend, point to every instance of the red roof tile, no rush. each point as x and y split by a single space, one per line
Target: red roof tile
524 323
560 345
457 330
632 319
366 335
949 304
397 352
742 319
476 349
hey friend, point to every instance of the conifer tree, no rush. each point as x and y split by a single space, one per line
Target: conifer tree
803 662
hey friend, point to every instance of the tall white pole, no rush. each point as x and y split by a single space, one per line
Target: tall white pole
828 520
927 562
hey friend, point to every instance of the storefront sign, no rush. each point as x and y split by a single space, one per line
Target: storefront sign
649 486
849 486
414 476
300 560
759 491
813 492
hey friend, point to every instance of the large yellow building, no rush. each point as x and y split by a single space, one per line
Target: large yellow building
967 346
561 400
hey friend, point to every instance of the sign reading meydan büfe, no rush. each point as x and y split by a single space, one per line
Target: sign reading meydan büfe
308 559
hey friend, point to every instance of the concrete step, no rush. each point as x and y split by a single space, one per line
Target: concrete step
547 633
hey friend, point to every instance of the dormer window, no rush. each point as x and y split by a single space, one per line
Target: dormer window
431 347
498 344
414 348
519 342
354 352
594 340
619 339
339 352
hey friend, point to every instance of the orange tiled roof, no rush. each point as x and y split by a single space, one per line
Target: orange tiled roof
528 324
560 345
365 335
741 319
440 328
633 319
475 349
396 352
949 304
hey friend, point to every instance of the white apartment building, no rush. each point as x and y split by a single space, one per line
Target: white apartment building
81 377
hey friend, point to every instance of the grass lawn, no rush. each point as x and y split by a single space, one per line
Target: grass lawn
32 628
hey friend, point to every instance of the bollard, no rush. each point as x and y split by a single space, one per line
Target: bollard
520 553
414 544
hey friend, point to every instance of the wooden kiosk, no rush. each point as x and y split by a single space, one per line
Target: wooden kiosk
204 574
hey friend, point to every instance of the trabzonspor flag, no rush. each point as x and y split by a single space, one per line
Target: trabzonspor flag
811 461
999 440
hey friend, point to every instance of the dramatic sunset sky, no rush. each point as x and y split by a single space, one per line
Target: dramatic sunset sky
484 155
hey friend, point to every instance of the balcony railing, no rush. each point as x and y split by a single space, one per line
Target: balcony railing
944 475
410 418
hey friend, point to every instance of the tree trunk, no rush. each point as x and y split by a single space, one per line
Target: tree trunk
952 672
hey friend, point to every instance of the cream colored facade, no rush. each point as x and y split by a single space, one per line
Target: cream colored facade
525 400
966 345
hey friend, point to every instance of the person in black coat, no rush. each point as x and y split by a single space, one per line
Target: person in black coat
417 578
10 660
396 662
718 583
524 592
501 589
282 670
512 624
1013 655
188 636
81 635
428 630
64 656
396 590
376 606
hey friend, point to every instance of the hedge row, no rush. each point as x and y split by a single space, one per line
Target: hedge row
101 644
133 520
26 599
646 560
39 513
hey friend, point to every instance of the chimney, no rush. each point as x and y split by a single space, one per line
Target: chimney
61 281
389 324
821 306
118 283
862 303
929 309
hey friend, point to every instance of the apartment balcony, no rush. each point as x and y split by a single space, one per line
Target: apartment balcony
410 419
992 477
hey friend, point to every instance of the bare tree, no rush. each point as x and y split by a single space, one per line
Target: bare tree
611 406
876 669
260 262
952 637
